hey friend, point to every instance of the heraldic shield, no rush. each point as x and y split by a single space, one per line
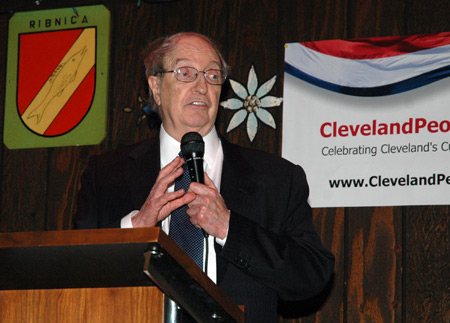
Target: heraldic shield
56 79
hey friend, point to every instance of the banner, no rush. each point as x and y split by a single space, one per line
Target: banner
369 119
57 78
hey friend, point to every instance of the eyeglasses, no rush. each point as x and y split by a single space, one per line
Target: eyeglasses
189 74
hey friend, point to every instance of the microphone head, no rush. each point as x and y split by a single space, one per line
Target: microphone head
192 145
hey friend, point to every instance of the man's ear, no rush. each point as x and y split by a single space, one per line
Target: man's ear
154 84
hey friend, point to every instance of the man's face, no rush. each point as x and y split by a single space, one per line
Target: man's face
186 107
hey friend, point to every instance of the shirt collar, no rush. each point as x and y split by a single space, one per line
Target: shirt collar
169 147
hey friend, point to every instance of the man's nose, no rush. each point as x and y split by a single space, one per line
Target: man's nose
201 86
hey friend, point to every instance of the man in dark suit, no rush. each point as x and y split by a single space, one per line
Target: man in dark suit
253 205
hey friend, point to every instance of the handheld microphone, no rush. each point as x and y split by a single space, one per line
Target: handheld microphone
193 149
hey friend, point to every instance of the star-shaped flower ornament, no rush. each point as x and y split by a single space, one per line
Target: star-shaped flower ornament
252 104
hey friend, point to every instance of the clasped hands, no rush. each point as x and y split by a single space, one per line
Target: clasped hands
206 207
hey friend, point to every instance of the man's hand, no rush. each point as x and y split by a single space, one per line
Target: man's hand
208 210
160 203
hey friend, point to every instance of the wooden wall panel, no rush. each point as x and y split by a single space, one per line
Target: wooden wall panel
4 19
313 20
426 295
247 48
373 249
427 264
392 262
328 306
330 224
210 18
424 17
374 256
376 18
132 28
304 21
24 190
65 168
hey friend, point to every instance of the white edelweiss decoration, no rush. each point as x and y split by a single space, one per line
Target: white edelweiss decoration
252 104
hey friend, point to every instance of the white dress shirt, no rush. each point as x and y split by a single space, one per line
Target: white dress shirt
212 165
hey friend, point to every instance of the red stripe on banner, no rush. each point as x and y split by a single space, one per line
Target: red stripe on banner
378 47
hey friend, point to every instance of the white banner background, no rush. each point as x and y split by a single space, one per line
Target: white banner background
307 107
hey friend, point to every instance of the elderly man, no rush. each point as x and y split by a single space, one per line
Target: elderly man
253 205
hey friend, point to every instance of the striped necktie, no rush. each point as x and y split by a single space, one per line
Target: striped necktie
182 231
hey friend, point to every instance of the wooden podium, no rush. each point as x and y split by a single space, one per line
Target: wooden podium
105 275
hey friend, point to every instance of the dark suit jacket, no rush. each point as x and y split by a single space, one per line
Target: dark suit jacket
272 248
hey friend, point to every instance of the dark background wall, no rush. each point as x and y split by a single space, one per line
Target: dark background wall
392 262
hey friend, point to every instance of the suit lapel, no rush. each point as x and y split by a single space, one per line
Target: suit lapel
142 170
236 186
238 190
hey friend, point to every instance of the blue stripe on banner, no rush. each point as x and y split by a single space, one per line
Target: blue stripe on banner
394 88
